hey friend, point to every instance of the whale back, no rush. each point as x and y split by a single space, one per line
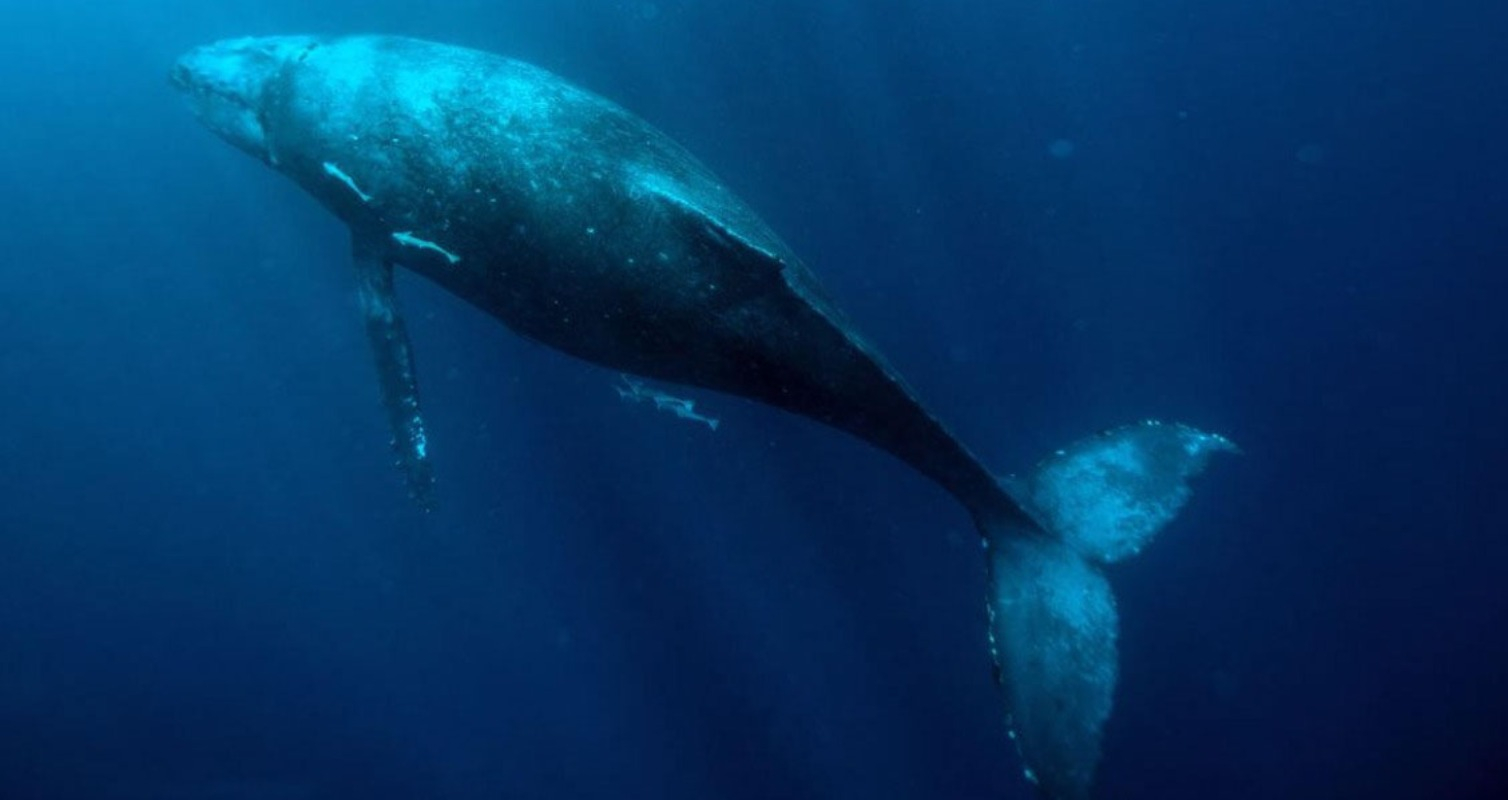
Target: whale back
583 227
531 183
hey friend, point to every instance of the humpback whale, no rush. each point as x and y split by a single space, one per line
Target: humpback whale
578 225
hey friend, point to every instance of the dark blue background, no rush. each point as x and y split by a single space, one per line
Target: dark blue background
1279 220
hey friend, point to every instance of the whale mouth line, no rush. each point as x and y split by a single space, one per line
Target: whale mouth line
185 79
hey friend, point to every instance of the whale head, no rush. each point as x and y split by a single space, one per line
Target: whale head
227 83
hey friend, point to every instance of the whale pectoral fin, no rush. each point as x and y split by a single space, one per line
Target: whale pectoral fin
395 373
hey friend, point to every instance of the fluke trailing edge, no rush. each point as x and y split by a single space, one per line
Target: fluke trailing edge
578 225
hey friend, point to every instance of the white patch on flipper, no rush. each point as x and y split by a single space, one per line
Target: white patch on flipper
339 174
408 239
374 304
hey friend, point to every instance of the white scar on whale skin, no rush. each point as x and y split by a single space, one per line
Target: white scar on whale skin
339 174
408 239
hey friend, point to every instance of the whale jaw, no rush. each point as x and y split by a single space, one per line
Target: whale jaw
225 84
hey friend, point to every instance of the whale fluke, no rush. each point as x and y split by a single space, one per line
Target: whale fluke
1053 621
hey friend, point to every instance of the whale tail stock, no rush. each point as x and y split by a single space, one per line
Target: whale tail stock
1052 616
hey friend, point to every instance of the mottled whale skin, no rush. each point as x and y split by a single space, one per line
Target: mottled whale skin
580 226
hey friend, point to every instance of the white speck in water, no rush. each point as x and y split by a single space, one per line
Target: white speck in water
1312 154
1060 148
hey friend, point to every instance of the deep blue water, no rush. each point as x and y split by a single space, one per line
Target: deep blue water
1283 221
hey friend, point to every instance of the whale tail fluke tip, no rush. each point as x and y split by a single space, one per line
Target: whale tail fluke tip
1053 620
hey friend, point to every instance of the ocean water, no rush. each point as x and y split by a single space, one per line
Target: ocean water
1283 221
